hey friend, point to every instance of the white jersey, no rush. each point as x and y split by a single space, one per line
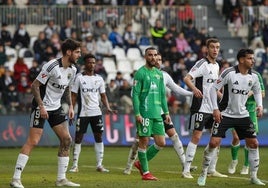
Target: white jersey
55 79
204 74
169 83
236 89
89 89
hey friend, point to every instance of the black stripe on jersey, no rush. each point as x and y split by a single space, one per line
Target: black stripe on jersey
227 71
54 64
200 62
224 101
196 103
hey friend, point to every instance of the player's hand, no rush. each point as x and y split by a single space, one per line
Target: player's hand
259 110
217 116
197 93
167 119
139 119
111 111
43 112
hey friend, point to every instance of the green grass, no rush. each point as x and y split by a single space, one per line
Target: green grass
42 167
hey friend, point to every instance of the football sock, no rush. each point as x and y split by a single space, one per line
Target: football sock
62 167
254 159
133 153
234 151
213 163
209 153
99 150
189 156
152 151
20 164
143 160
246 156
178 147
76 154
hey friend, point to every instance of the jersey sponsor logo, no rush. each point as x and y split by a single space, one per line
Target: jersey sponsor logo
239 91
91 90
236 83
58 86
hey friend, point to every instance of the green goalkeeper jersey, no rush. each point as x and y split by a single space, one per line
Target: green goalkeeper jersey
148 93
251 103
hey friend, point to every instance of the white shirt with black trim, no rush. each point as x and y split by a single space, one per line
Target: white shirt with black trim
55 79
238 86
89 89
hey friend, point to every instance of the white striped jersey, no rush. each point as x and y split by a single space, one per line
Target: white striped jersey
55 79
204 74
88 89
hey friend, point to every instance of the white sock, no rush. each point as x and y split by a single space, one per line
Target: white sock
133 153
20 164
213 163
190 153
62 167
254 160
76 154
209 153
178 147
99 150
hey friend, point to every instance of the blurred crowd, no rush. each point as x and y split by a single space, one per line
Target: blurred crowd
180 47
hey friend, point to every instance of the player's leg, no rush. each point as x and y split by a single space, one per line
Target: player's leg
190 153
176 142
254 119
254 158
61 129
209 153
33 139
234 152
132 156
96 123
81 128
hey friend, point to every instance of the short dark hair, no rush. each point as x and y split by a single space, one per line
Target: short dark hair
212 40
69 44
150 48
87 56
243 52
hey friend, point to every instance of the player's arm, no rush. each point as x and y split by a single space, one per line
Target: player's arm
35 88
105 101
258 98
175 88
135 92
188 79
164 101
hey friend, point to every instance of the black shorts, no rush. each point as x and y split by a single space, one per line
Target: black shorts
55 117
167 126
200 120
96 123
243 126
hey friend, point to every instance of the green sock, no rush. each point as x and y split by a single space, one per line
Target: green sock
234 151
246 156
143 161
151 152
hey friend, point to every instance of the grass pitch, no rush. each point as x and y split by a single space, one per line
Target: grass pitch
42 168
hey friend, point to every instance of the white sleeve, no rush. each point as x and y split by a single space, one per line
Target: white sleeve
174 87
257 92
213 97
76 83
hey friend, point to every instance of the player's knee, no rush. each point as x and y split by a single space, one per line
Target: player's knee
253 144
66 141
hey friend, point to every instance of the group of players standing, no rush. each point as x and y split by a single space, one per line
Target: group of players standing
231 88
